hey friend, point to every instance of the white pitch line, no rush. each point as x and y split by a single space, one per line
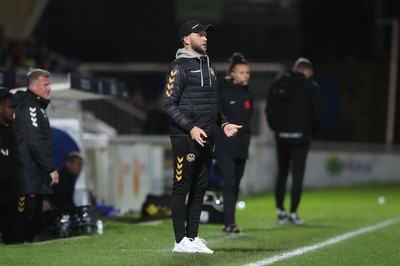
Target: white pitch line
328 242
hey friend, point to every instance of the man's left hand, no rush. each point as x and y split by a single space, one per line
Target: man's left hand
231 130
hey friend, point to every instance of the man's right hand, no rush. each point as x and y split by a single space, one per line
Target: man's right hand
54 178
198 135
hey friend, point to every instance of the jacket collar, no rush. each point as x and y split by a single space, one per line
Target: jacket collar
42 102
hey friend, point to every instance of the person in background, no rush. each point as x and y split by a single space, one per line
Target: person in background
190 100
236 103
294 111
63 196
36 170
7 166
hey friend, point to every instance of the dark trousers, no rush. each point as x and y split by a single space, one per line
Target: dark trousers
231 171
7 219
28 218
192 164
290 157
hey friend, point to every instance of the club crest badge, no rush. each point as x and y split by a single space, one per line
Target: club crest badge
212 72
190 157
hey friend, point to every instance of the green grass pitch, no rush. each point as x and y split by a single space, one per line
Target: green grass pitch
328 212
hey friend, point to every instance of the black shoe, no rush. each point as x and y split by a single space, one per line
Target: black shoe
282 217
232 228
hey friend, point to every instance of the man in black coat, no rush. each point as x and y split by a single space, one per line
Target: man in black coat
7 166
36 171
293 111
190 100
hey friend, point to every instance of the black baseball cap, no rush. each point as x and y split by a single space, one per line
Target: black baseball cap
192 26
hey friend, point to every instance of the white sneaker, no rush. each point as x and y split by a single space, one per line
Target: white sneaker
200 245
293 218
186 245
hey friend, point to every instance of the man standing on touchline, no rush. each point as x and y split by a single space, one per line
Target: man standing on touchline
36 170
190 100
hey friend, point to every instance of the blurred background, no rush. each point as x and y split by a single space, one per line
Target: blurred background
352 44
349 43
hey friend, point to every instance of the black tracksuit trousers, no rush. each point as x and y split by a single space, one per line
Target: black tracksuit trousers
231 171
28 219
290 156
192 164
7 219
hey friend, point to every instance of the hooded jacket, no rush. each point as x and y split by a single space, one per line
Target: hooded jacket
236 102
190 95
294 108
32 134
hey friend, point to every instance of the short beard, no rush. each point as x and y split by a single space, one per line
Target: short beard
197 48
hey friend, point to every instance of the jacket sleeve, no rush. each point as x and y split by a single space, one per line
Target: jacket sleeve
252 106
222 109
223 101
221 119
316 107
173 88
30 127
270 109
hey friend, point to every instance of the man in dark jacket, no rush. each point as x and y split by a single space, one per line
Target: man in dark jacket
36 171
190 100
293 111
7 166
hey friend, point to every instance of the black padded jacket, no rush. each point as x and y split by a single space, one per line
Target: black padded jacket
190 95
32 134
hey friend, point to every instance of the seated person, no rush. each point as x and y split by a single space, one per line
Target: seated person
63 197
